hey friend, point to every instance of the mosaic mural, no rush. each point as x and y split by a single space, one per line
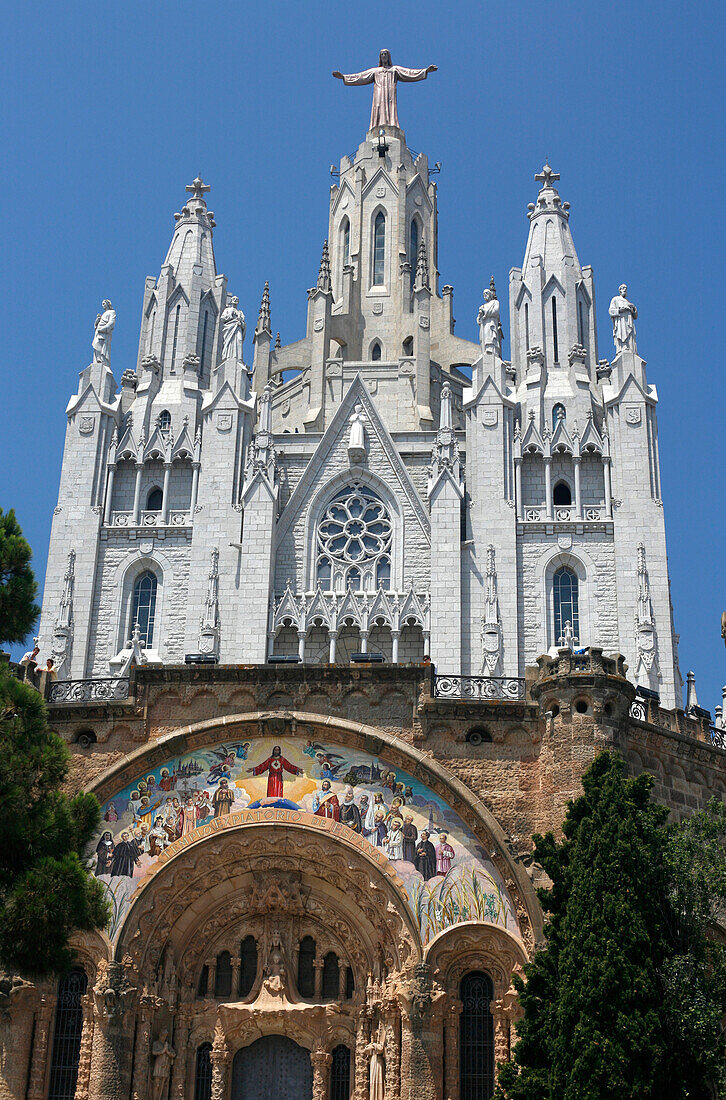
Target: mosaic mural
448 876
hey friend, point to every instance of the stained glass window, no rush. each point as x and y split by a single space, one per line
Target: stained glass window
566 602
476 1038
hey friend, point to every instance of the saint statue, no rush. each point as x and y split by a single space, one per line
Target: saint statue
163 1055
623 314
103 330
376 1079
384 77
233 330
490 328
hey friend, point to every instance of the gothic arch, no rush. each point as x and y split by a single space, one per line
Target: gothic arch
582 565
392 749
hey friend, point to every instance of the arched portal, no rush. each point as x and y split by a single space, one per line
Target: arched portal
272 1068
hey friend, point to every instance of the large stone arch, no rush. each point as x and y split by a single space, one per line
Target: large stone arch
270 866
469 806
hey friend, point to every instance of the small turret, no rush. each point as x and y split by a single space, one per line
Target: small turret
263 342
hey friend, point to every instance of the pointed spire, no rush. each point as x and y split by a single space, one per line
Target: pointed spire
263 319
691 697
278 342
324 283
493 288
421 281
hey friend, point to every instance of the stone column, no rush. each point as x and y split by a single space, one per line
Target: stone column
452 1025
333 638
608 488
236 964
137 493
84 1058
342 979
548 485
142 1053
220 1060
321 1072
165 494
109 492
318 964
578 493
518 487
395 635
301 636
195 490
180 1044
392 1054
360 1070
16 1030
39 1062
364 641
501 1034
113 1002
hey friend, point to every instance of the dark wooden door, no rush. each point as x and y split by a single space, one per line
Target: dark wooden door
272 1068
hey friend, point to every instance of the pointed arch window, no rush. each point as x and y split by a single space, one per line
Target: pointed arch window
203 351
408 346
383 574
203 1073
558 412
376 351
324 575
345 241
143 607
353 580
566 599
582 322
379 249
331 977
177 315
526 324
164 420
476 1038
223 975
248 966
555 342
413 250
67 1035
155 500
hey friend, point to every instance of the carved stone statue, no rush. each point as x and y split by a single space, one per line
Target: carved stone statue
163 1055
376 1078
490 329
233 330
384 77
357 443
103 330
623 314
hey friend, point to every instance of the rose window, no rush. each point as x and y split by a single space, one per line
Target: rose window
354 538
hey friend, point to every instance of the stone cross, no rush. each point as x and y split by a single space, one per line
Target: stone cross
546 176
198 187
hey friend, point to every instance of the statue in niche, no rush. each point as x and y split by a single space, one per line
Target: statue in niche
490 328
233 330
623 314
384 77
376 1079
103 331
163 1055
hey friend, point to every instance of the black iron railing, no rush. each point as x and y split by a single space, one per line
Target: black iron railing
506 688
108 690
717 735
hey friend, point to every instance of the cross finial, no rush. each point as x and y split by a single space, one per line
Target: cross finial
547 176
198 188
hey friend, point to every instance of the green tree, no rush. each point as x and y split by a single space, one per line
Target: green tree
45 890
18 610
594 1025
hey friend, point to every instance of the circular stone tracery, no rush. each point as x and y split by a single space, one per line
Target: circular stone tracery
355 530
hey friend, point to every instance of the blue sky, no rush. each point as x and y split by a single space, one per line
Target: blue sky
110 111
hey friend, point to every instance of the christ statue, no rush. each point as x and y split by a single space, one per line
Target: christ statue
384 77
275 766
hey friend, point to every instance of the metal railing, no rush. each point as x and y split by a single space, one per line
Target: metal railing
717 736
505 688
109 690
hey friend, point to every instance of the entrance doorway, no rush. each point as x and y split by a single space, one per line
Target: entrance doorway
272 1068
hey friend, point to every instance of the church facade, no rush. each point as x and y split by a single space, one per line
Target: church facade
338 625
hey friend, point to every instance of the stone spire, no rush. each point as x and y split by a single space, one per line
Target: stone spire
192 241
263 319
550 237
421 282
324 283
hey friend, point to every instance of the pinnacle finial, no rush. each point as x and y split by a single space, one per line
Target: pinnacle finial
422 267
324 272
493 288
198 188
278 342
263 319
546 177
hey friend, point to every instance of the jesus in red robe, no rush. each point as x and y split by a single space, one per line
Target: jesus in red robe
275 766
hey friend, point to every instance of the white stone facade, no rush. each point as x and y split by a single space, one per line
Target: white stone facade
211 478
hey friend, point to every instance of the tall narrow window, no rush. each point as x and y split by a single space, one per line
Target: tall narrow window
476 1038
155 500
581 321
203 984
413 252
408 346
143 607
67 1036
324 574
555 346
349 983
353 580
561 495
203 1073
151 332
526 324
566 598
306 968
558 412
176 334
383 574
346 242
164 420
223 975
204 340
248 966
379 249
340 1074
331 977
376 352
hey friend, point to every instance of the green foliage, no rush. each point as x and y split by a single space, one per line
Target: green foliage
45 891
18 589
609 1006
